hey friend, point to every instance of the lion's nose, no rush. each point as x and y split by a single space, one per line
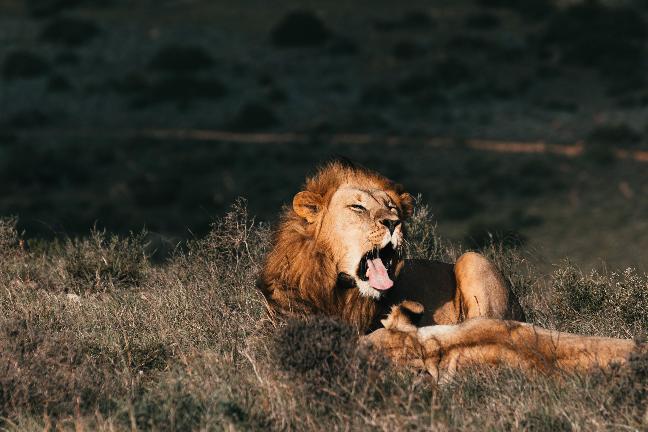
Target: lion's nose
391 224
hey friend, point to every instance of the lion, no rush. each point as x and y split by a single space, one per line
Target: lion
339 251
442 350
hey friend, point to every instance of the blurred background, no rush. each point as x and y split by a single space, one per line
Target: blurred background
522 121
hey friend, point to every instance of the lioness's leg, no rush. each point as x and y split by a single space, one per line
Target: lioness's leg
481 290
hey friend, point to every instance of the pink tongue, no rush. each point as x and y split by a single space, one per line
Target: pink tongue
377 274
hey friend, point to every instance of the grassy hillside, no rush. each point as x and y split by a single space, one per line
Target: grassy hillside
117 328
79 80
94 337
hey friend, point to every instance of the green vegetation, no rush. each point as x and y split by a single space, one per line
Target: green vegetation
94 336
23 64
300 29
610 39
69 31
181 58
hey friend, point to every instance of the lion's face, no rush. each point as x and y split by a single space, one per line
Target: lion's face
362 227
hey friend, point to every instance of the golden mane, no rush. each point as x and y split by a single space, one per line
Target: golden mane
300 274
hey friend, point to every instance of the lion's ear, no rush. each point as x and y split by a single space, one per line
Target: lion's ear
407 204
307 205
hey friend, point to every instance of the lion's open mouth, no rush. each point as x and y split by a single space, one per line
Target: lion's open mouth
378 267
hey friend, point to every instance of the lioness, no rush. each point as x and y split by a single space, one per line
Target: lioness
339 251
442 350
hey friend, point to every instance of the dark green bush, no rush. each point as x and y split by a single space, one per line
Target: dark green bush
300 29
181 58
607 38
58 83
29 118
69 31
24 64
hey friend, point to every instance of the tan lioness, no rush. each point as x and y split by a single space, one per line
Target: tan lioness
339 251
442 350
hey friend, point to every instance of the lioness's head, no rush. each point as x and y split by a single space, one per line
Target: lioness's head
357 216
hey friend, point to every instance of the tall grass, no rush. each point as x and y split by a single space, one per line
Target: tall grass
94 336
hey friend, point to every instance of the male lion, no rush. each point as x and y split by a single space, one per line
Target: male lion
338 251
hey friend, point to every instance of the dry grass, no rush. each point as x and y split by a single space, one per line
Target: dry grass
94 336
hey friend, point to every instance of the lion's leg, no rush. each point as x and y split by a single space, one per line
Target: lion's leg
481 291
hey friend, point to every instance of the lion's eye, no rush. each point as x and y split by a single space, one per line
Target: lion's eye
357 207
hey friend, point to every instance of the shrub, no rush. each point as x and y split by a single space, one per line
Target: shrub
322 363
69 31
24 64
181 58
58 83
590 34
103 262
29 118
614 301
300 29
423 241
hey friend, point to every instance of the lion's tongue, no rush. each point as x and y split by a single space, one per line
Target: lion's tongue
377 274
